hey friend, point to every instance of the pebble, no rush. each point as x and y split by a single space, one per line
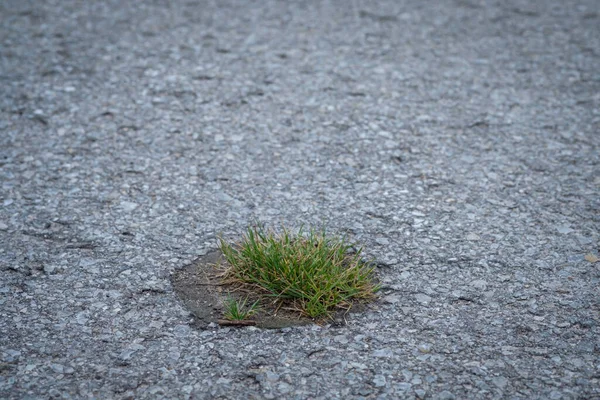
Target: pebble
564 229
473 237
272 376
383 353
10 355
379 381
403 386
181 330
424 348
126 354
382 241
479 284
500 381
128 206
222 196
50 269
343 339
391 299
58 368
444 395
423 298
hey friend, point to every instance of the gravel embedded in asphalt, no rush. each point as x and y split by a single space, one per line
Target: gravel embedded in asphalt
458 141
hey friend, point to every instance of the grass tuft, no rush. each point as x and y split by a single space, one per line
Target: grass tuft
236 310
314 272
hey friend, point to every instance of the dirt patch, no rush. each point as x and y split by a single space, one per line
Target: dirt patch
199 287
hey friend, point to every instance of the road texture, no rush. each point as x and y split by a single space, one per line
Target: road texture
457 140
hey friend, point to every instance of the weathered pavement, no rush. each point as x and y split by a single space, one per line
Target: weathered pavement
458 140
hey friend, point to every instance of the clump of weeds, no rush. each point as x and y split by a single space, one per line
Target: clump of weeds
308 271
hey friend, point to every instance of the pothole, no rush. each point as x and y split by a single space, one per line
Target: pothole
202 292
293 278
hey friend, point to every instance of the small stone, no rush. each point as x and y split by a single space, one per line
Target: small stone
87 262
424 348
154 286
284 387
379 381
341 339
473 237
479 284
382 241
583 240
555 395
383 353
126 354
500 381
420 393
156 390
391 299
445 395
541 264
128 206
403 386
81 318
57 368
357 365
3 226
272 376
557 360
181 330
422 298
11 355
577 362
564 229
49 269
223 381
222 196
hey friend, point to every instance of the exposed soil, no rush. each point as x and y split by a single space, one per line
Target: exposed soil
199 287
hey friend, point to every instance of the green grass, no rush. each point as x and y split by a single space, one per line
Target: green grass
311 271
236 310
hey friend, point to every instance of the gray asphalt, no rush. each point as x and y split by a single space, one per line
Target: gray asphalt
458 141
